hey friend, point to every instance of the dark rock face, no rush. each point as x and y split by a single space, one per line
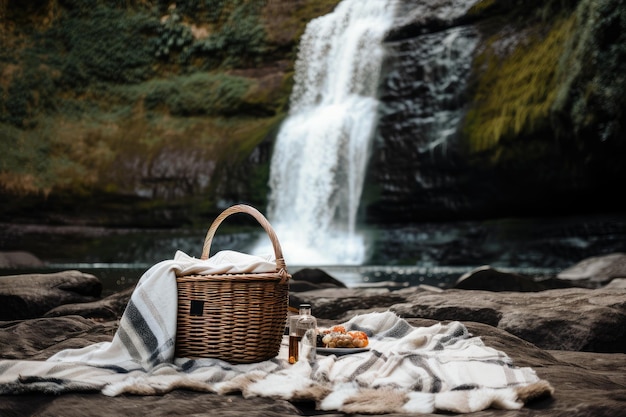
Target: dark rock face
416 163
442 152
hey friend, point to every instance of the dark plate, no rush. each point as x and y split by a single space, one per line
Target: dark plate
340 351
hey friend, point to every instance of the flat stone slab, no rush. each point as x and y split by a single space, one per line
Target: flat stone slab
586 384
32 295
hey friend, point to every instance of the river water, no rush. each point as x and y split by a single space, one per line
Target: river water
401 255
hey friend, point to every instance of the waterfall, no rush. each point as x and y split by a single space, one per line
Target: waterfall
321 151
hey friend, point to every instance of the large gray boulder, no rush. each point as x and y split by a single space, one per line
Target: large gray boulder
32 295
307 279
109 308
40 338
586 384
596 270
19 259
492 279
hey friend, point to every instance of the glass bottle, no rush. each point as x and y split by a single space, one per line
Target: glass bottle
307 327
298 327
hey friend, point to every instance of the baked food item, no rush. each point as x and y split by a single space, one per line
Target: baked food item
338 337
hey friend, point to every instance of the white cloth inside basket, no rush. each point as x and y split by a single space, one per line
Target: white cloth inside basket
147 333
225 262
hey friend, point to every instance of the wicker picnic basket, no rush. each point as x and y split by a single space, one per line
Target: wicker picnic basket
239 318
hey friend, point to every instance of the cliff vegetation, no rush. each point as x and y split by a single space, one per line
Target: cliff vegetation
547 100
159 106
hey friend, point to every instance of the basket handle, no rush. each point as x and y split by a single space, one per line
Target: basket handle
281 267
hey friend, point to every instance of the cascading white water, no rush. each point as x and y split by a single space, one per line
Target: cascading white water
321 152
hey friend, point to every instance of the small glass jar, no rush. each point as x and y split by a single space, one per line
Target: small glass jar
299 326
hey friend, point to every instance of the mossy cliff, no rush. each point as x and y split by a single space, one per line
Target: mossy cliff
544 109
561 72
141 111
552 104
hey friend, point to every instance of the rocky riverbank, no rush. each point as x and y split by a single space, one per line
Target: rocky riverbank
571 329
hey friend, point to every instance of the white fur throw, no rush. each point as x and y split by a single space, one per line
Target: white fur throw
406 370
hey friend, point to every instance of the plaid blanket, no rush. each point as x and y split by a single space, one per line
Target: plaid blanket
406 369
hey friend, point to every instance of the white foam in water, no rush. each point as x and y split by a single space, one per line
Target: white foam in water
321 152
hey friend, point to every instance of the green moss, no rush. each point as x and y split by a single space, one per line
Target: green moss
77 61
108 44
250 135
481 7
30 89
593 93
237 37
312 9
196 94
514 93
173 36
92 104
24 164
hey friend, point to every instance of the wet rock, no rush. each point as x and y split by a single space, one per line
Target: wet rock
596 270
491 279
300 286
578 319
309 279
317 277
32 295
333 302
19 259
616 283
40 338
109 308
